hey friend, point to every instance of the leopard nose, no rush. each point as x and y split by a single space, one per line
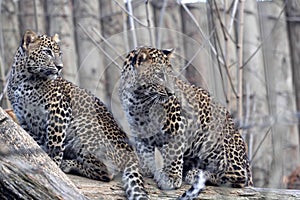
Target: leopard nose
59 67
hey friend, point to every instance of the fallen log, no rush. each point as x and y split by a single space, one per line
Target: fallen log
26 171
113 190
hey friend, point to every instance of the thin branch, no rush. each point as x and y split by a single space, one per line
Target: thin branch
160 23
240 60
130 13
264 39
35 16
148 21
260 144
106 41
201 31
131 23
233 13
98 46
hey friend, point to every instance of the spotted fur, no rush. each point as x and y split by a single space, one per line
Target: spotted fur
180 127
72 125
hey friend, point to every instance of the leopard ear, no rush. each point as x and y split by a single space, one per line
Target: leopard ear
29 37
168 52
55 38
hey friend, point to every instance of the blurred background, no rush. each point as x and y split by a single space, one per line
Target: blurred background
245 52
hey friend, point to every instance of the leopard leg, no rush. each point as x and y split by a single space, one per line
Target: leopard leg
90 168
57 125
133 182
169 174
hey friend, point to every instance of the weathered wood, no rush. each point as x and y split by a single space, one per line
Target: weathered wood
281 102
26 172
113 190
293 14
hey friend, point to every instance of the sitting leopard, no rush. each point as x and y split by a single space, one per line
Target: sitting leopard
73 126
178 129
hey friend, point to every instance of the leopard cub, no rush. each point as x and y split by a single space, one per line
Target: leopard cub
72 125
179 130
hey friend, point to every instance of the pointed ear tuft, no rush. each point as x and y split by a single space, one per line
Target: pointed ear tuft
159 161
29 37
168 52
55 38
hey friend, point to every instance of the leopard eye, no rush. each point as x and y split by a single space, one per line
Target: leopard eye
48 52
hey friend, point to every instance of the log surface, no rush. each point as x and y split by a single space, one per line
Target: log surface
97 190
26 171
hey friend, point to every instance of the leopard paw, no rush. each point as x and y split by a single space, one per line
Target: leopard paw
166 181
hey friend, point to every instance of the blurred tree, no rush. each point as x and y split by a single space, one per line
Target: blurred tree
255 99
195 43
280 91
293 14
60 20
32 16
91 69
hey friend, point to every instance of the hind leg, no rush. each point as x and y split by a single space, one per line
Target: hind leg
92 169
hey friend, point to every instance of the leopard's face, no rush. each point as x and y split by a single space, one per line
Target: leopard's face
43 55
146 70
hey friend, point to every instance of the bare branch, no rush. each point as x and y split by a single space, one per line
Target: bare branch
160 22
233 13
106 41
131 23
148 21
130 13
98 46
202 33
240 60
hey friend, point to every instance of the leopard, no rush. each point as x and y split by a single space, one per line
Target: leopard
180 131
73 126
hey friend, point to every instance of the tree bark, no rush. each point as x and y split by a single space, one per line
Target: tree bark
114 190
255 97
168 31
293 14
281 102
9 41
32 16
26 171
60 21
91 70
112 30
195 45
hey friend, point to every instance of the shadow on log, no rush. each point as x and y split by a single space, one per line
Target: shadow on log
26 172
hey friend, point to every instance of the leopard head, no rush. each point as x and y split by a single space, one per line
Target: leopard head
42 55
147 69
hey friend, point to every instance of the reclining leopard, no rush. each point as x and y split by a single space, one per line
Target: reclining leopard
179 130
73 126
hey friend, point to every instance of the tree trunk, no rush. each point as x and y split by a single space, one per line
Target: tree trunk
32 16
255 97
168 30
293 14
26 170
196 45
280 92
112 30
60 20
9 41
91 69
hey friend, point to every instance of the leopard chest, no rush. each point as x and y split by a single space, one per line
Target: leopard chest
31 107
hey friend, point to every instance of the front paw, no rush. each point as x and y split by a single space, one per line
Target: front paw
166 181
